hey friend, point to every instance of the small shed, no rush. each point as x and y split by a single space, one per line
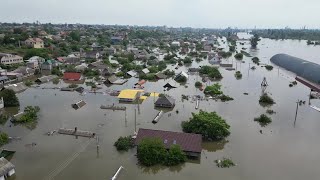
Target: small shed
171 84
165 102
145 71
78 104
6 168
132 73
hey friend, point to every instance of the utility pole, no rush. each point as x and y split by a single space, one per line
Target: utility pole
135 120
295 119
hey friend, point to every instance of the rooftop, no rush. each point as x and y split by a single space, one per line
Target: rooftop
129 94
188 142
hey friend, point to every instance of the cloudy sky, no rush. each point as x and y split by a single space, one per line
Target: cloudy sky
176 13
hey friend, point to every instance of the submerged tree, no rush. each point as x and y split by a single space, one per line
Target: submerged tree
9 97
209 124
254 40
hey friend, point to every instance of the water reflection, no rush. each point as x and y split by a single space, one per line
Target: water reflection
157 168
214 146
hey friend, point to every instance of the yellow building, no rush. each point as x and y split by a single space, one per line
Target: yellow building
34 43
129 95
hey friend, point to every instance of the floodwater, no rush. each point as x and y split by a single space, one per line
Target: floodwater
283 151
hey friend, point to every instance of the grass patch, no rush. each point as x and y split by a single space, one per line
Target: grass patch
224 163
263 120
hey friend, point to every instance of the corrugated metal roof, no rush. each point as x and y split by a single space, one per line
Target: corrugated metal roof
187 141
303 68
5 166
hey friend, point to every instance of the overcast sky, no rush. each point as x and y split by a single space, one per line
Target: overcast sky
176 13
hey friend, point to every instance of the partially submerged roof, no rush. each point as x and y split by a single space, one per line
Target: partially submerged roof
171 84
5 166
129 94
167 100
18 87
187 141
132 73
161 76
182 73
45 79
115 80
301 67
72 76
145 70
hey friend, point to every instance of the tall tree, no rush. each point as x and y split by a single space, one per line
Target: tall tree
254 40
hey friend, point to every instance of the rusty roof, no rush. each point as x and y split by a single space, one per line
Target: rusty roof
188 142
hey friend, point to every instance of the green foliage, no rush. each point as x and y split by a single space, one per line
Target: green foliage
120 74
238 75
36 52
3 119
151 151
224 54
270 111
29 115
307 34
91 72
55 80
169 73
209 124
124 143
28 83
224 98
9 97
175 156
150 76
75 35
70 68
4 138
198 84
56 71
213 90
232 48
153 69
212 72
162 66
263 120
254 40
268 67
198 59
72 86
239 56
256 60
224 163
187 60
266 99
181 79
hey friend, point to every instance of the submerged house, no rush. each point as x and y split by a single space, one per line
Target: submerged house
171 84
45 79
78 104
18 87
129 95
165 102
181 74
72 76
115 80
6 168
189 143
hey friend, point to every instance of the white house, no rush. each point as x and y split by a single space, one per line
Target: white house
6 168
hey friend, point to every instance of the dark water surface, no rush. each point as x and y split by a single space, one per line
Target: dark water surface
282 151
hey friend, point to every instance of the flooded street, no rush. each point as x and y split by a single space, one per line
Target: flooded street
283 151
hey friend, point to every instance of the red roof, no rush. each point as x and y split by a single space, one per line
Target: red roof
188 142
71 76
311 85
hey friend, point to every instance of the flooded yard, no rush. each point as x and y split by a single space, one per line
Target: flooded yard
282 151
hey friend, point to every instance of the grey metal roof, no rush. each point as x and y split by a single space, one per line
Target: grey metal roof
19 87
5 166
165 100
301 67
3 78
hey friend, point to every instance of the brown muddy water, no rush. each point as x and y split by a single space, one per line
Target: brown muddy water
283 151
